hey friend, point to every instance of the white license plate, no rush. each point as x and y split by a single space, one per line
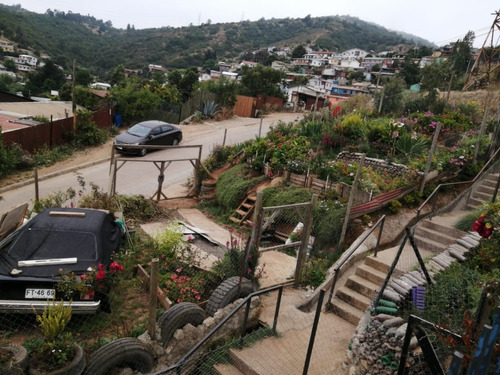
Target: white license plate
39 293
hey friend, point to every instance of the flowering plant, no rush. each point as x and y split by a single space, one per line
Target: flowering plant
180 287
96 279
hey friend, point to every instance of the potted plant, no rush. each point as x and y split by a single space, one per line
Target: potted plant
58 353
13 359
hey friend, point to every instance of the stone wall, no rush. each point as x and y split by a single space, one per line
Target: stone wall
393 169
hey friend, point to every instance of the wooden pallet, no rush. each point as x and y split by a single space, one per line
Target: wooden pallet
244 211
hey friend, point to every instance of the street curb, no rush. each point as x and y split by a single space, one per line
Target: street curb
50 175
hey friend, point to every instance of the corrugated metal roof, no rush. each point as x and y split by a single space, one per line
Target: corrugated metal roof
58 110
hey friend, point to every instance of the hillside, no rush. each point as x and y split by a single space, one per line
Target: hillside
99 47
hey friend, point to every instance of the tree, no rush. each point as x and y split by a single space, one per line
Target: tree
83 77
184 80
435 76
261 81
225 88
391 97
6 83
134 101
118 77
298 52
45 79
10 65
410 72
461 54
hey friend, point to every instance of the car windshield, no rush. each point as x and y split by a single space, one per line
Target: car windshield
139 130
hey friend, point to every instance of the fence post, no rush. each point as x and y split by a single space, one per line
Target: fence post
37 194
153 298
351 198
224 139
301 257
313 331
431 154
260 126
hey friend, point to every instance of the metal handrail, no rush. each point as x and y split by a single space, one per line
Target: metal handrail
337 268
435 191
247 302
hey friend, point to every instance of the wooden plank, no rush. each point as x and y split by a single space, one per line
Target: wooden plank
67 214
12 220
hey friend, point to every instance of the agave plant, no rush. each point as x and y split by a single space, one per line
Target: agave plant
209 109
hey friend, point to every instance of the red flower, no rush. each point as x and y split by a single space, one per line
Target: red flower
484 229
100 275
116 267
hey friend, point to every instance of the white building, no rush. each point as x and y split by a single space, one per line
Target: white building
354 53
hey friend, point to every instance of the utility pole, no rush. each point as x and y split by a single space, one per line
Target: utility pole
351 198
431 154
73 104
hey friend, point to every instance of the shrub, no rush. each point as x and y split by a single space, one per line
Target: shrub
87 132
327 222
395 206
233 185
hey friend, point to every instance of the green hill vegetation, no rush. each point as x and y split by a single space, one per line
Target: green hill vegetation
99 47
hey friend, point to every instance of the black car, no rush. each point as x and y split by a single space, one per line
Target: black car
56 243
152 132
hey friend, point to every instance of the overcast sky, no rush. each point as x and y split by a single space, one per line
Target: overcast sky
439 21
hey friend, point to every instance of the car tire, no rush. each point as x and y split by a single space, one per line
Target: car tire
175 142
75 367
177 317
19 362
125 352
143 152
227 292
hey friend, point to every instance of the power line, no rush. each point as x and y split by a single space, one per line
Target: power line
463 35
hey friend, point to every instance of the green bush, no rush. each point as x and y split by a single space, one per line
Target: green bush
327 222
395 206
233 186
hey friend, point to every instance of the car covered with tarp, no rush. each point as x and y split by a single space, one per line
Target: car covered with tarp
59 245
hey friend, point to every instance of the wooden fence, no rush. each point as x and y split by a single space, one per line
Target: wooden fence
53 133
320 186
247 106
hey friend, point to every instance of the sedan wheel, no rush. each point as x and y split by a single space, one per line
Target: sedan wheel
175 142
142 152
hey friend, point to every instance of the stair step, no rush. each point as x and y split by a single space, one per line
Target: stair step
252 198
375 263
234 219
448 230
486 189
241 213
372 274
346 311
439 236
424 243
482 196
248 206
353 298
362 286
226 369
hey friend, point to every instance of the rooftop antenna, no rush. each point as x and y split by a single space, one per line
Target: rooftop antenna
487 61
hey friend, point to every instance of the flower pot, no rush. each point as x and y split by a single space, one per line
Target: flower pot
18 360
75 367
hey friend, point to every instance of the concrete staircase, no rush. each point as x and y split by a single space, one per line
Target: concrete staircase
353 298
484 192
432 236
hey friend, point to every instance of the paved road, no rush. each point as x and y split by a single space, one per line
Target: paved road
139 177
